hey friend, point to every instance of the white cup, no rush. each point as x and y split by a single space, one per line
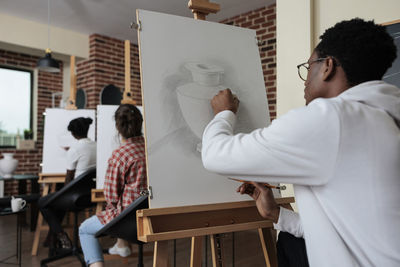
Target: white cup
17 204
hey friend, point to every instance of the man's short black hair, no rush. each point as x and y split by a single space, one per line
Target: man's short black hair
364 49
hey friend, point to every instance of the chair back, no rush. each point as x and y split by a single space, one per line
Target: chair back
76 195
124 225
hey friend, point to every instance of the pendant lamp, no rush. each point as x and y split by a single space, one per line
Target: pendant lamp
47 63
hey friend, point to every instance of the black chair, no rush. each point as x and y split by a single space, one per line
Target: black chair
74 197
124 225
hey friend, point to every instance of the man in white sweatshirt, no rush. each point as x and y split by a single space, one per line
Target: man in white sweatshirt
341 152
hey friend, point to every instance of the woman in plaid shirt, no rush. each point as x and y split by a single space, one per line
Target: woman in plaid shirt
125 179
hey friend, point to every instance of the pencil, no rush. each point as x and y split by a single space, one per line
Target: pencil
283 187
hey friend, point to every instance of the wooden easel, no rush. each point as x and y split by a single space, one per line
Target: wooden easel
127 96
72 92
195 222
164 224
50 180
201 8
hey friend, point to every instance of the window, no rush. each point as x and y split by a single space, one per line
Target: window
15 104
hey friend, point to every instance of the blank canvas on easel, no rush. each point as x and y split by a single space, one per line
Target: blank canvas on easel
184 63
57 137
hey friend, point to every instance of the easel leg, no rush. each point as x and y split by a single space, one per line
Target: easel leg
217 252
161 254
39 225
195 253
268 244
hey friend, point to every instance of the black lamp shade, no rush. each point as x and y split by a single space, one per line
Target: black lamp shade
47 63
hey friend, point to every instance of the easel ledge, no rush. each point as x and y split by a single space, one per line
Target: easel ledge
200 220
49 178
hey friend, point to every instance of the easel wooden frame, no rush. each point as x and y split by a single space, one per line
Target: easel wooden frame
127 96
163 224
391 22
72 91
49 180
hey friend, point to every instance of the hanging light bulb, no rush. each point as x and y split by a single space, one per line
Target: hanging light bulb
47 63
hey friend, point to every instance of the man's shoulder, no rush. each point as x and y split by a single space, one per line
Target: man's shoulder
319 108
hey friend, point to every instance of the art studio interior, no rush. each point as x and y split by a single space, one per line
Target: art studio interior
161 62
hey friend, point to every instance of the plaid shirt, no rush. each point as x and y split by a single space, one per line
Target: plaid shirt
125 178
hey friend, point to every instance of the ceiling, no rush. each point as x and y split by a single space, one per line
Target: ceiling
113 17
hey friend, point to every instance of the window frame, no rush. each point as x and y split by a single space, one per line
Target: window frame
31 98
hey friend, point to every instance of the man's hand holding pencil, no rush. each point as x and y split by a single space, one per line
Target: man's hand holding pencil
264 198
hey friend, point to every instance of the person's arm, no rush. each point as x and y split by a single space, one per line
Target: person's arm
113 184
283 219
69 176
299 147
289 221
72 162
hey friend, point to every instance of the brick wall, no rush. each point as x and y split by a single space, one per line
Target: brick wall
106 66
263 20
48 83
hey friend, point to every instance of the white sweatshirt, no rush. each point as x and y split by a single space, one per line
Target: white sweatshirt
343 156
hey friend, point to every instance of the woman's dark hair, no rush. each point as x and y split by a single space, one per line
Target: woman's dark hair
79 127
364 49
128 121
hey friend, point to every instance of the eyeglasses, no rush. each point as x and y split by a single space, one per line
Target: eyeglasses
303 68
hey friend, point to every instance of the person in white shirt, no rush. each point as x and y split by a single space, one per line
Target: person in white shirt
341 151
81 156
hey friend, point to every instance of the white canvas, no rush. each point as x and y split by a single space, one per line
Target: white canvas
108 139
57 137
185 62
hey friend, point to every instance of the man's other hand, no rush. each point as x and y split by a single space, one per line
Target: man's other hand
265 201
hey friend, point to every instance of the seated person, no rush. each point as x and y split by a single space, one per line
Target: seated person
80 157
125 179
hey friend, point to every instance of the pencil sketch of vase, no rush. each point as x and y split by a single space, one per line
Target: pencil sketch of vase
194 98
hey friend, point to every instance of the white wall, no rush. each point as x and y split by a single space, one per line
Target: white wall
328 12
301 22
27 34
24 36
299 25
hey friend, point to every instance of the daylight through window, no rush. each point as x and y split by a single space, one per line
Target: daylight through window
15 105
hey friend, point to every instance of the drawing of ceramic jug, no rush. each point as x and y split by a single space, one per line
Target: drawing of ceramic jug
194 98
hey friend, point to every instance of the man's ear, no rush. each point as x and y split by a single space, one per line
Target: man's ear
328 69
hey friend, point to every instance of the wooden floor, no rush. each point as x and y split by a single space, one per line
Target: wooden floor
247 249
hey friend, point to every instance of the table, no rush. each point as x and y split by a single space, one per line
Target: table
6 212
22 185
22 190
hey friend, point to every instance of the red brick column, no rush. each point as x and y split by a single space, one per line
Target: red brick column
263 20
